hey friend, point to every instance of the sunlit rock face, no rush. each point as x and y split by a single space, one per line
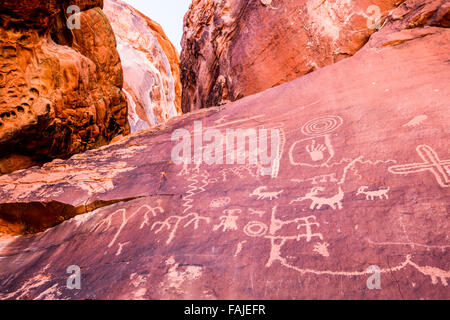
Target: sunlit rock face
151 66
234 48
60 88
358 191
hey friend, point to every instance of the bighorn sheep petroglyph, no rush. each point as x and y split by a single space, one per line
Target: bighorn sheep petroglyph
371 195
317 202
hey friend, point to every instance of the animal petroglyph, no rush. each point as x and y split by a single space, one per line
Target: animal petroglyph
371 195
439 168
172 224
239 247
416 121
228 222
334 202
263 195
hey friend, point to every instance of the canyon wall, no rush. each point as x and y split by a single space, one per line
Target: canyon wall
235 48
359 187
60 87
151 66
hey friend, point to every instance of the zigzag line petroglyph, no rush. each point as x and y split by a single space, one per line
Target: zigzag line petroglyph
228 222
194 189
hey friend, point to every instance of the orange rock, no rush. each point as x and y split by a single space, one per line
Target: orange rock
60 89
151 66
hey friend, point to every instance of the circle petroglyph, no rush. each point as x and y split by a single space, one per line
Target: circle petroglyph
322 126
255 229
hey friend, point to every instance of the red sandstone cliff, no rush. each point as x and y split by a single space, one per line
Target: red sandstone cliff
151 66
234 48
60 88
363 179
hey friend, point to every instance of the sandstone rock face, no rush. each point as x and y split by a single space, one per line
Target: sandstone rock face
234 48
60 88
362 187
151 66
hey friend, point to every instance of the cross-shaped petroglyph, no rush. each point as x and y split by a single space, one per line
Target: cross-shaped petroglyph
439 168
172 223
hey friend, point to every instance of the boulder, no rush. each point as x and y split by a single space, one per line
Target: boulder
151 66
60 87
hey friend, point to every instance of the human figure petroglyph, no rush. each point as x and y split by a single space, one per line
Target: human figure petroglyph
439 168
153 211
172 224
307 222
371 195
263 195
228 222
123 214
334 202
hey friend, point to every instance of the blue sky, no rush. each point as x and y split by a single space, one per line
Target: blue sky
168 13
